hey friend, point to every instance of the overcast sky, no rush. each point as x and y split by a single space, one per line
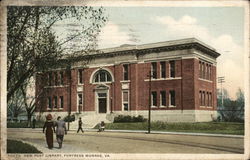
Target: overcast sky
220 27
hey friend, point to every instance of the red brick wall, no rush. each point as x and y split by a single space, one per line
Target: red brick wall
186 89
188 73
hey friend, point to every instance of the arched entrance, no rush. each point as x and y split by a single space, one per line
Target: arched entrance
102 98
101 78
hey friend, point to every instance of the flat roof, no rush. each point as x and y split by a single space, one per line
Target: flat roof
190 42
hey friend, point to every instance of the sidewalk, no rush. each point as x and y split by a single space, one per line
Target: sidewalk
140 131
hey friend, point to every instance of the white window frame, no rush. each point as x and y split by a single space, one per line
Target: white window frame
170 69
61 101
55 103
78 75
172 106
123 102
161 99
153 99
152 70
49 103
161 69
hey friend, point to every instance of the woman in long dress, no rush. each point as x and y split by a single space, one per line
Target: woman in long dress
49 125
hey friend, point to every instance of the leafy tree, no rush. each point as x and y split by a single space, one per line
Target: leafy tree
32 42
15 105
34 46
232 110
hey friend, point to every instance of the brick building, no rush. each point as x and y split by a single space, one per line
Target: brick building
182 86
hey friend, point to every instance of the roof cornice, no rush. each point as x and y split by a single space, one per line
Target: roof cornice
190 43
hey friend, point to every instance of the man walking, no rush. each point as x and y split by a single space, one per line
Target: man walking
80 125
60 130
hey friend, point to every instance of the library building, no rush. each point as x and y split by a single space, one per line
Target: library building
177 79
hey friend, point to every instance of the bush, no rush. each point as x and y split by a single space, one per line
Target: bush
122 119
69 118
14 146
39 124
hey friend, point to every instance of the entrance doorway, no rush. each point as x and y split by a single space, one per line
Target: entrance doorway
102 102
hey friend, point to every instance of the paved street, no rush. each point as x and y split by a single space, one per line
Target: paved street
118 142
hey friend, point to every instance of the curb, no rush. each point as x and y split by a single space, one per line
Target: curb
140 131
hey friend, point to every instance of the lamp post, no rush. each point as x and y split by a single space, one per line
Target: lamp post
149 102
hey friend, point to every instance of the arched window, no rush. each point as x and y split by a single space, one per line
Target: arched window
102 76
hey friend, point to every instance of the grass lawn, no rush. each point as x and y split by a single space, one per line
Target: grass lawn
14 146
198 127
23 124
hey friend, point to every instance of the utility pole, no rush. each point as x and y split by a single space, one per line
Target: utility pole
221 80
69 105
149 105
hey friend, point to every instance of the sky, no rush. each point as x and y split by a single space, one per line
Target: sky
220 27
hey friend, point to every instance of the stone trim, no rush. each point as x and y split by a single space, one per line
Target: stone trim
205 80
164 79
60 86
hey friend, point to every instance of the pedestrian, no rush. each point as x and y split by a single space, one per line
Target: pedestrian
80 125
60 130
34 123
49 126
101 126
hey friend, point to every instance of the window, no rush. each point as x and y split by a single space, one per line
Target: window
200 69
61 78
79 98
172 98
125 72
200 98
49 101
163 69
55 101
154 70
209 99
102 76
56 78
50 79
203 98
125 100
209 73
163 98
203 70
153 99
172 69
61 101
80 80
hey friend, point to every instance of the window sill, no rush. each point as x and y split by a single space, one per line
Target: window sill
164 79
101 83
172 106
206 80
60 86
153 106
163 106
125 81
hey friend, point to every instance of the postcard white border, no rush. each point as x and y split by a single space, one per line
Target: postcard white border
128 3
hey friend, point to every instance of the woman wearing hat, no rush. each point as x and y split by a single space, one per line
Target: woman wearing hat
49 125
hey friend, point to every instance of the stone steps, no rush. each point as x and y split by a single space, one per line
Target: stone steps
89 120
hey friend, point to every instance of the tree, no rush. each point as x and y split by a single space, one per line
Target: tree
32 42
33 45
232 110
15 105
